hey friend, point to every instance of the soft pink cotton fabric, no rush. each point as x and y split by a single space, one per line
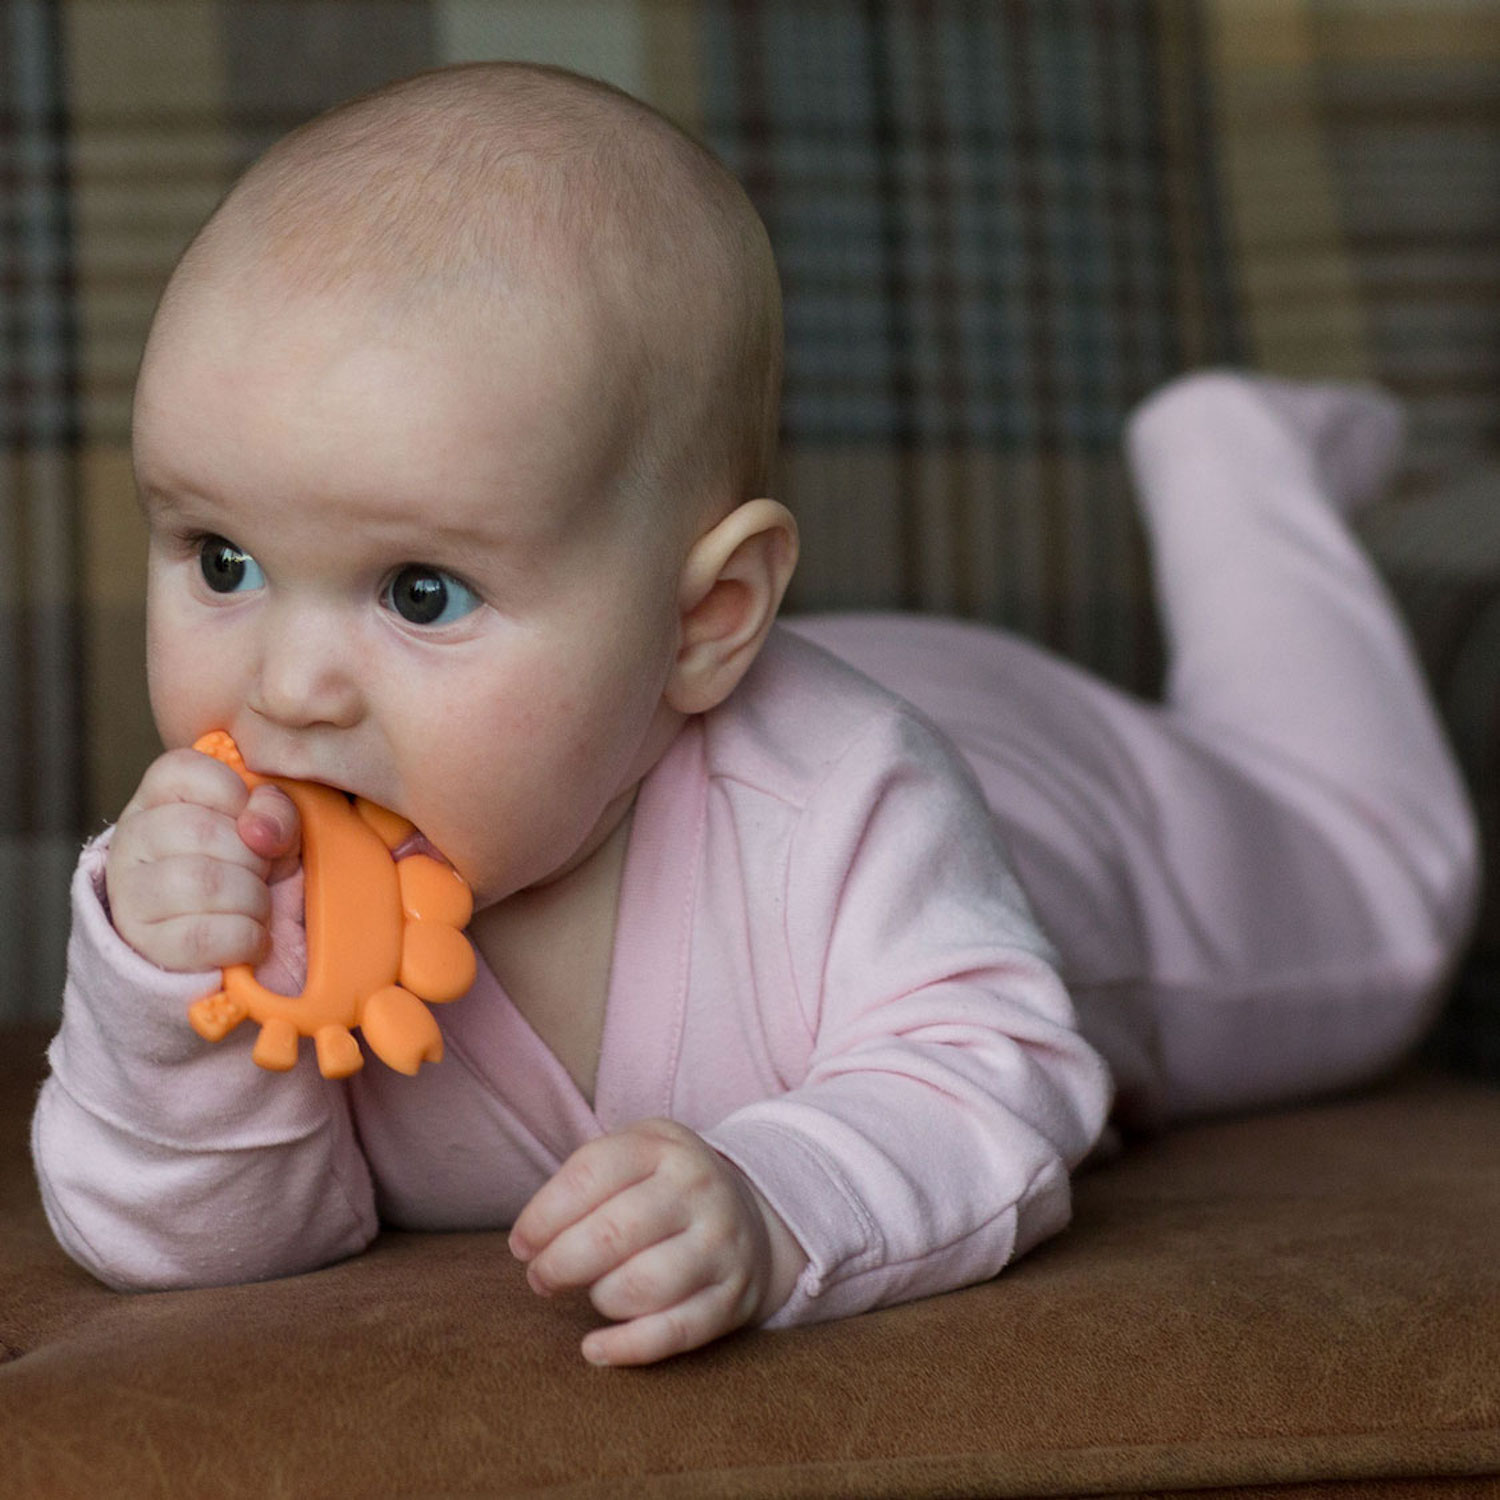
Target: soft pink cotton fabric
823 964
825 960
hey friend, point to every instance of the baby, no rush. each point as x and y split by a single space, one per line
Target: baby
453 437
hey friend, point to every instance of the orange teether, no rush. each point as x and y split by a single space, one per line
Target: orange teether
383 936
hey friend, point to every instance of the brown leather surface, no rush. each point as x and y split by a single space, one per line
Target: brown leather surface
1306 1299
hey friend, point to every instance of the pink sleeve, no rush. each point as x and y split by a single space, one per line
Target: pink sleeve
948 1093
167 1162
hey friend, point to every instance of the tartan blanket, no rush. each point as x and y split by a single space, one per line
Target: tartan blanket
1000 223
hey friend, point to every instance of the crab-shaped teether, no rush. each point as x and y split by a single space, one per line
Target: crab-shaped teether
383 936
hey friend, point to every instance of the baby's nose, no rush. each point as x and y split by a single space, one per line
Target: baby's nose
309 671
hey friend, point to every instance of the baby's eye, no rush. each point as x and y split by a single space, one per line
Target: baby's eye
428 596
228 569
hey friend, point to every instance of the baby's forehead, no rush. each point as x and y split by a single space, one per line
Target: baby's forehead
466 251
486 197
486 188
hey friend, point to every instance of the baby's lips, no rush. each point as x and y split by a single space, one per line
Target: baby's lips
417 842
400 835
394 830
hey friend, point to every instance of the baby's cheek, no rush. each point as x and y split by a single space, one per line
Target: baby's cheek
506 808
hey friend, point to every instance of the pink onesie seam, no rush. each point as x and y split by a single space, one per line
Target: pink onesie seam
874 725
734 778
789 947
821 1281
352 1197
684 962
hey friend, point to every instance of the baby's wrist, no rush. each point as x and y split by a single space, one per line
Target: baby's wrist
788 1259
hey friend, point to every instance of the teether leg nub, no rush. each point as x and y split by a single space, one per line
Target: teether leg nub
276 1047
400 1030
215 1016
338 1052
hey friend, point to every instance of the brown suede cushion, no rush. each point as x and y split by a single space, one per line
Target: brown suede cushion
1305 1299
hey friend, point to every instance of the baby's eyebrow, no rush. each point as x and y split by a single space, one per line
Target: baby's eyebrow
168 501
452 541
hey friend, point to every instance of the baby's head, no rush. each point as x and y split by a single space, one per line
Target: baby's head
453 434
455 202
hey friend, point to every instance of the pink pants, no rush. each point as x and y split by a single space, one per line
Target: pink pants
1257 888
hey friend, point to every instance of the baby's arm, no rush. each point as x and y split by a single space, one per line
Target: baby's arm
672 1241
164 1161
947 1093
946 1097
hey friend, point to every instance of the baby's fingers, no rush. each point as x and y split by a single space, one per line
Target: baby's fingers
701 1318
196 884
181 830
662 1276
191 777
593 1175
187 944
270 827
606 1240
198 913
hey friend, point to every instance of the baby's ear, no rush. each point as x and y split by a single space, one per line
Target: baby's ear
727 596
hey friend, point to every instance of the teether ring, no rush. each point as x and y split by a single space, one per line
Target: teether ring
383 936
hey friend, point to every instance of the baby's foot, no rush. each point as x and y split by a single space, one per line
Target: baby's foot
1355 432
1351 434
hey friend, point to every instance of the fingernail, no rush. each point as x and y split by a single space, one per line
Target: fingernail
594 1355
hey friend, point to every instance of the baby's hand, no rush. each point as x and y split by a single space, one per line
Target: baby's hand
188 867
671 1240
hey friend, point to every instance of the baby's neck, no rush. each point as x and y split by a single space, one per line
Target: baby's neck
551 947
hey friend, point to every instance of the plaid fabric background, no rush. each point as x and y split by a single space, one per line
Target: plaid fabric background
1409 97
42 682
997 230
1000 222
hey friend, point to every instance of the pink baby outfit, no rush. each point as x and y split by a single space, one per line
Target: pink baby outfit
822 964
824 961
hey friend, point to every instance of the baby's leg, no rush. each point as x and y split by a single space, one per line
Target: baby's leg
1288 662
1256 889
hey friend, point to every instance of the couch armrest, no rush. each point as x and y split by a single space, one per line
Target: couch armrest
1310 1296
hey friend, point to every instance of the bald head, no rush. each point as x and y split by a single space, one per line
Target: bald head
466 196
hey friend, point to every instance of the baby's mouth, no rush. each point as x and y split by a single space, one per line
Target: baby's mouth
417 842
399 834
412 842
